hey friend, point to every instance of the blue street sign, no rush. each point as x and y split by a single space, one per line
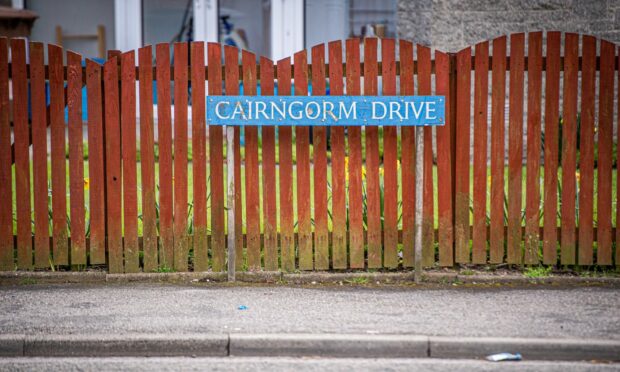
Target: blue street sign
326 110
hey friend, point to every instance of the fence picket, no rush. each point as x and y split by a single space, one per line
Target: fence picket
428 208
532 197
444 165
128 156
586 151
463 92
113 166
515 148
164 136
39 156
498 125
231 63
270 210
356 222
408 156
605 144
180 157
76 159
373 160
199 157
552 104
96 177
339 179
285 148
252 180
216 164
302 156
319 151
390 160
147 159
569 148
481 93
6 177
21 133
60 246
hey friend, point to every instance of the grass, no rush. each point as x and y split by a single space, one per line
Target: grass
537 271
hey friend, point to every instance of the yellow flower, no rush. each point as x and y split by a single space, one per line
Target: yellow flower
86 183
489 180
346 167
363 172
577 176
381 171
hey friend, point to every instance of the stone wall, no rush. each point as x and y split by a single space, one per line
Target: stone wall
450 25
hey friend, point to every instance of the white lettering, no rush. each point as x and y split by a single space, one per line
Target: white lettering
347 114
290 110
217 109
395 109
313 113
429 110
374 110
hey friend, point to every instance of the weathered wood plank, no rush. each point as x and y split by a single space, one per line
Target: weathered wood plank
76 159
302 156
390 160
231 66
356 222
569 148
199 157
6 177
319 151
216 164
147 159
428 204
180 157
586 151
373 160
515 148
532 190
113 166
285 148
164 136
408 156
463 95
96 170
131 249
39 156
605 144
270 211
21 132
252 180
444 165
339 170
498 108
552 107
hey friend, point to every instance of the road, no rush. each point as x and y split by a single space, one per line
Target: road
287 364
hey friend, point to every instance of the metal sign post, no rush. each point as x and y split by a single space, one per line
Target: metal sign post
419 188
230 192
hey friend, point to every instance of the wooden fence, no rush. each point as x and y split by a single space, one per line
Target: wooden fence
338 199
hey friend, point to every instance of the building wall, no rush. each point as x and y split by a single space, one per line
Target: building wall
75 17
451 25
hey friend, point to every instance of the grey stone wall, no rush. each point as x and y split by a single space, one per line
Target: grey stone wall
450 25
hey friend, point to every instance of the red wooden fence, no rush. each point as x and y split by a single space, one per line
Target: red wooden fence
522 179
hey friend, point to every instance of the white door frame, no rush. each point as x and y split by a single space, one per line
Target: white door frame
287 27
127 24
206 20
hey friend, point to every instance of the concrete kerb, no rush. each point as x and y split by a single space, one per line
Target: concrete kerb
305 345
305 278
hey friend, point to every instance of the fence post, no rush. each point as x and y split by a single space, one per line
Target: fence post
230 202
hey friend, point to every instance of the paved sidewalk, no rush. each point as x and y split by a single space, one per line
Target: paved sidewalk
538 312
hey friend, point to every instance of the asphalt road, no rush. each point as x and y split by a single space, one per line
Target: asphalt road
577 312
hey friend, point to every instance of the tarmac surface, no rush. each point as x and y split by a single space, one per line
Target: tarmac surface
531 312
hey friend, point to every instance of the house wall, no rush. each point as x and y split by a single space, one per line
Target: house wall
451 25
75 17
